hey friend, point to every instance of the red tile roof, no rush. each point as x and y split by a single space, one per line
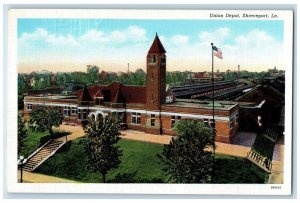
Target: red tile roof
119 93
135 94
157 46
85 95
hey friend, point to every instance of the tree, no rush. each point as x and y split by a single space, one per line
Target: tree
185 158
22 133
93 74
44 118
101 146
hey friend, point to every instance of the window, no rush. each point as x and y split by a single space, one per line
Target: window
133 118
29 107
74 110
173 121
212 123
67 111
231 123
163 59
205 121
237 119
153 59
138 118
78 113
152 119
84 114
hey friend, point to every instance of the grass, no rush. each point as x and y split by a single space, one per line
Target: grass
230 169
32 142
140 164
264 146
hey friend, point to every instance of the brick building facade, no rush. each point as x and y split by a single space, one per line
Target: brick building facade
142 108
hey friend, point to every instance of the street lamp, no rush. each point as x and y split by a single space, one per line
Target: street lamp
21 162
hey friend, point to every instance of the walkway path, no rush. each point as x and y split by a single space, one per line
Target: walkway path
222 148
29 177
277 170
141 136
76 131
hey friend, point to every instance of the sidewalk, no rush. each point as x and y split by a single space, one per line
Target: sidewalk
222 148
277 170
76 131
29 177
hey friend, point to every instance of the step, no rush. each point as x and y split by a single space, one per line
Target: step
43 154
53 144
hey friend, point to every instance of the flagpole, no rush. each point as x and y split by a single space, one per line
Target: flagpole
213 95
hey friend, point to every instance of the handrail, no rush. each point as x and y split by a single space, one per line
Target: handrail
260 160
37 150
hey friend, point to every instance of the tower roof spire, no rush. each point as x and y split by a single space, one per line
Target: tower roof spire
157 46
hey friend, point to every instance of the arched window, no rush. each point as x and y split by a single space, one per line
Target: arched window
153 59
163 59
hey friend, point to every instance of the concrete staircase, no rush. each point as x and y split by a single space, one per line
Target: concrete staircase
43 153
261 161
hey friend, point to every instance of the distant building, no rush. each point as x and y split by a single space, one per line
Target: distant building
206 77
275 72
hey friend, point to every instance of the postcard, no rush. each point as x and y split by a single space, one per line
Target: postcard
136 101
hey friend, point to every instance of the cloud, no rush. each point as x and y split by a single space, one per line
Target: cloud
254 37
131 34
180 40
217 36
251 48
93 36
40 36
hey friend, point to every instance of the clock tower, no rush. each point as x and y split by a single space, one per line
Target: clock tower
156 86
156 75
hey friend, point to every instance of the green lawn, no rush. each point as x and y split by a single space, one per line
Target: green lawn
32 142
140 164
230 169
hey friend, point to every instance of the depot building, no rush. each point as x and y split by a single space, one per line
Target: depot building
151 108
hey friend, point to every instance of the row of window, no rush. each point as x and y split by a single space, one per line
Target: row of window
136 117
136 120
69 110
153 59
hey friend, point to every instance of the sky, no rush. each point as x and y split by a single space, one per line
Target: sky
63 45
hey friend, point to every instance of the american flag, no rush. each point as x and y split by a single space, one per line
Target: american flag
217 52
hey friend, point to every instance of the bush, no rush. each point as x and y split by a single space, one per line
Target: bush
65 147
84 123
44 139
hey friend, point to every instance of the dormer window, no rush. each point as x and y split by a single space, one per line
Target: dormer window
153 59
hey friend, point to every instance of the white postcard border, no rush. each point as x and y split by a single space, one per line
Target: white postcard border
236 189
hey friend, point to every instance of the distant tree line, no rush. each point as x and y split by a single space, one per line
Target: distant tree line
233 75
93 75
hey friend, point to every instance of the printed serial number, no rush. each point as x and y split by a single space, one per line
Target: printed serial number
276 187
